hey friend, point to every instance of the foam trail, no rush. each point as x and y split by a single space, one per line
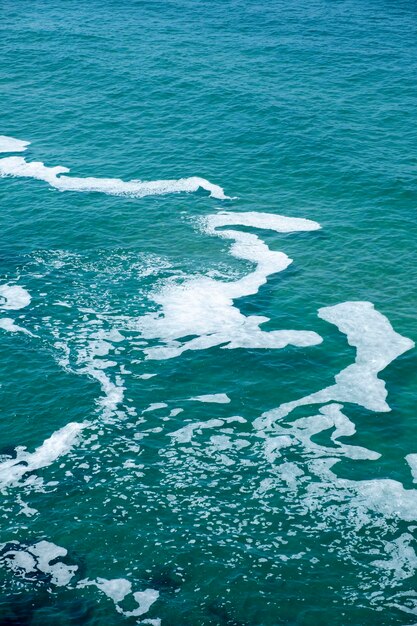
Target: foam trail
377 345
58 444
13 297
19 167
203 307
10 144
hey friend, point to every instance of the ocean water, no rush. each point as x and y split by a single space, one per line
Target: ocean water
208 313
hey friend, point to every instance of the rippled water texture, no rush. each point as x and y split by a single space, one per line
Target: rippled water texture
207 313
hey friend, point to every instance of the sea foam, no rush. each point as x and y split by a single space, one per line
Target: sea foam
40 557
204 307
10 144
7 324
377 345
58 444
55 176
13 297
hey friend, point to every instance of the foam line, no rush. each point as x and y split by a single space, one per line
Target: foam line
58 444
377 345
54 176
204 307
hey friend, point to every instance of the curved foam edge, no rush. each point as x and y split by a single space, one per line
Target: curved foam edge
377 345
54 176
10 144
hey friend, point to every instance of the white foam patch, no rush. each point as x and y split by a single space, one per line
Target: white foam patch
10 144
13 297
383 496
216 398
203 307
8 325
155 406
402 558
39 557
300 432
99 345
46 552
55 176
185 434
412 462
58 444
116 588
377 345
145 599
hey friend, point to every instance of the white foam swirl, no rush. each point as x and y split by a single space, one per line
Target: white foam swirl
204 307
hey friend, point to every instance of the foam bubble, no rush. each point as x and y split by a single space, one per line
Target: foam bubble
13 297
10 144
55 176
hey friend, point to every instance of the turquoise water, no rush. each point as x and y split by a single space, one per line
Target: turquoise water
152 335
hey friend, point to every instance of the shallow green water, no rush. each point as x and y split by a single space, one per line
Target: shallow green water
212 513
